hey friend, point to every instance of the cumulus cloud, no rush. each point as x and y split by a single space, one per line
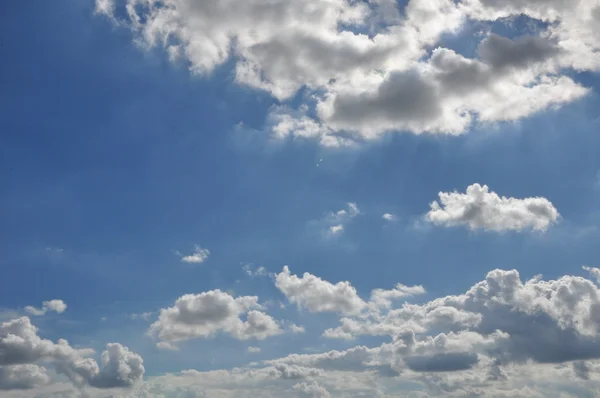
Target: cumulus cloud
312 390
22 377
22 349
198 256
563 318
317 295
383 298
253 350
57 306
120 368
479 208
205 314
362 85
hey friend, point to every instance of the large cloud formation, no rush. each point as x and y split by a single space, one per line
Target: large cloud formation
503 337
368 65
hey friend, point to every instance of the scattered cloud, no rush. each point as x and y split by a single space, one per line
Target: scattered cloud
479 208
198 256
334 223
250 270
253 350
57 306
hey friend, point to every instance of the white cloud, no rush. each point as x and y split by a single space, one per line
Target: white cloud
389 217
336 229
205 314
120 368
383 298
360 85
57 306
22 349
293 328
595 272
334 223
22 377
479 208
198 256
318 295
250 270
312 390
253 350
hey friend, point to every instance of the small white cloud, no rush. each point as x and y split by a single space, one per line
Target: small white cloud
198 256
253 350
336 229
389 217
250 270
293 328
57 306
479 208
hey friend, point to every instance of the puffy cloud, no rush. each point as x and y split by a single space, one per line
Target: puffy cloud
312 390
20 344
205 314
22 377
296 328
383 298
21 349
57 306
563 318
317 295
198 256
362 85
120 368
479 208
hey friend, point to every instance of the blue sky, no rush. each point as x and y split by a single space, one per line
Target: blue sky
116 162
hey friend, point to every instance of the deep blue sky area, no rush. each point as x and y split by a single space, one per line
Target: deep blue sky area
113 160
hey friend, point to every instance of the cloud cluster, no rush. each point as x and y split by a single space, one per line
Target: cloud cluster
334 223
57 306
503 337
367 66
205 314
22 350
479 208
